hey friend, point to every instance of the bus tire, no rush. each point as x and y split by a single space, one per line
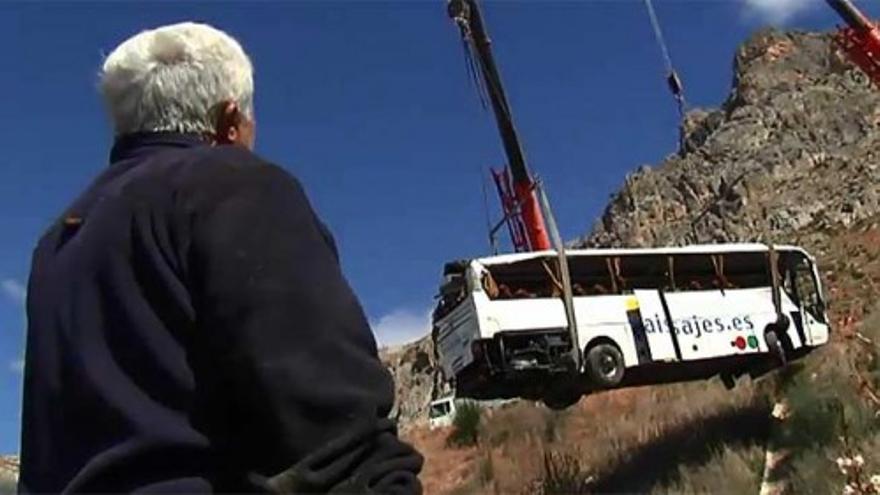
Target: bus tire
774 343
604 365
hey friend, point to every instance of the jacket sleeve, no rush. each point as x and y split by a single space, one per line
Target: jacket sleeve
284 346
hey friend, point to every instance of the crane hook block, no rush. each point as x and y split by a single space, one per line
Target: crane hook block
457 10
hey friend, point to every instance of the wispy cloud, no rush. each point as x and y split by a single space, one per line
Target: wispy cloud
402 325
777 11
16 366
14 290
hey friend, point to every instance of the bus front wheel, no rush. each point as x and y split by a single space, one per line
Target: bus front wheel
604 365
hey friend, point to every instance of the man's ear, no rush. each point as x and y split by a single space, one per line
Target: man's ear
228 119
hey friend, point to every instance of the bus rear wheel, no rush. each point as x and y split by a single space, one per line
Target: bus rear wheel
604 365
774 343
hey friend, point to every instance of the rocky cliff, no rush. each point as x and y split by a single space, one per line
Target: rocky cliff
792 149
8 474
417 380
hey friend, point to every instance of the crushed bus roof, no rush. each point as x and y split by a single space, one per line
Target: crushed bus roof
503 259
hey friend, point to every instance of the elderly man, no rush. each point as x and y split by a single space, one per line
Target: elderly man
189 326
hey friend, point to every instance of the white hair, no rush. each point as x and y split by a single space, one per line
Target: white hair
174 78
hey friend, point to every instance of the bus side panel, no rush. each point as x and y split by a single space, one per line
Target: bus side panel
605 317
521 315
709 323
712 323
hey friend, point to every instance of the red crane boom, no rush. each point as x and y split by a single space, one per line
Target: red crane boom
860 40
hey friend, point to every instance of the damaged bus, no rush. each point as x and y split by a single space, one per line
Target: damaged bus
502 327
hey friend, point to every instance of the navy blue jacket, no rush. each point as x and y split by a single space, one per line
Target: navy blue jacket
190 330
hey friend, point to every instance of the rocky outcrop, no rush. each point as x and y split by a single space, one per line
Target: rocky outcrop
8 474
793 148
417 380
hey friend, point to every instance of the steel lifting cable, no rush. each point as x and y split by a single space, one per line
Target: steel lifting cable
493 244
472 65
672 79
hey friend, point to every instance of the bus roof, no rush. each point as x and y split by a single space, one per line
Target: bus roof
503 259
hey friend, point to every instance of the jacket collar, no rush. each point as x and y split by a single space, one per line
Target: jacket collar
145 143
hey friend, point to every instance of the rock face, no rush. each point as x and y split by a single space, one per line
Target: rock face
793 148
790 155
417 380
8 473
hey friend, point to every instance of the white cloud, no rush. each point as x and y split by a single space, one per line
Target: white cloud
14 290
777 11
401 325
16 366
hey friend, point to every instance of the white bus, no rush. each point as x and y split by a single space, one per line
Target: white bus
642 316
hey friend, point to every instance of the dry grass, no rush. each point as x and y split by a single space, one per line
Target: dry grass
629 440
731 470
445 469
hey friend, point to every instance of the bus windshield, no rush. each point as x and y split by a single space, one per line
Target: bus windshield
801 285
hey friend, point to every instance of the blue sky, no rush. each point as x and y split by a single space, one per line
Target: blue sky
369 104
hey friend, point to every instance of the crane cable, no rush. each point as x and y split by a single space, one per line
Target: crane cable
473 65
672 79
459 13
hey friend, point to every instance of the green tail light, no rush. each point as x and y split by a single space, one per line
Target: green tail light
753 342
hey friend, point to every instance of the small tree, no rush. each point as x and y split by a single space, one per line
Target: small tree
465 425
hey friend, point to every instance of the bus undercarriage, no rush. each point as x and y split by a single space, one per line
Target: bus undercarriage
537 366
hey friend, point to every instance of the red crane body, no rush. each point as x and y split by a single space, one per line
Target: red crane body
860 40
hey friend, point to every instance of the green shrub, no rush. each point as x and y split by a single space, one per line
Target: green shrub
465 425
